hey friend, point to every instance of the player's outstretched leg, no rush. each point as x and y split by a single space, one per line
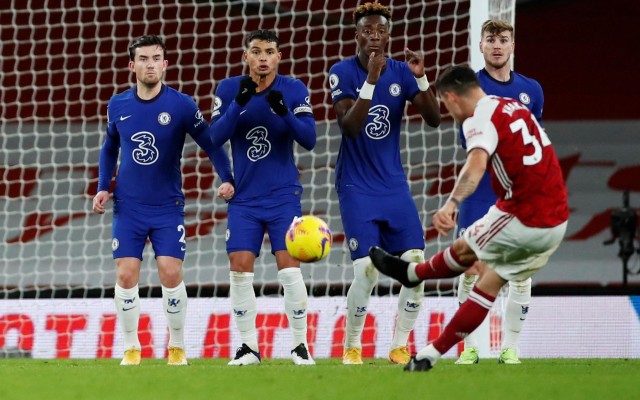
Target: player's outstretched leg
392 266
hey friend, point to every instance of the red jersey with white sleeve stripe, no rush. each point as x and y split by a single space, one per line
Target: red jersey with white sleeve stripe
525 172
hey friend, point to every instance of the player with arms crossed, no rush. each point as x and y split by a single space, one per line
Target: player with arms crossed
496 78
262 114
369 93
518 234
149 123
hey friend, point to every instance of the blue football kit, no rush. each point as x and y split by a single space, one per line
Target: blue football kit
375 200
528 92
267 189
149 135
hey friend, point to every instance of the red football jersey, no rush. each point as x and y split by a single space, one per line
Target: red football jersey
525 172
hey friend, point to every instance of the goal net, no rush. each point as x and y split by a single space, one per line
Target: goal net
62 61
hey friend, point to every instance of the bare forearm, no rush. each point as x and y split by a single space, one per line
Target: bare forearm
465 186
354 118
428 107
470 176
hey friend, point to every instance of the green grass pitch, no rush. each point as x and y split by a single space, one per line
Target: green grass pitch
212 379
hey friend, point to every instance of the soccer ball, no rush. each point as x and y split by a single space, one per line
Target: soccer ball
308 239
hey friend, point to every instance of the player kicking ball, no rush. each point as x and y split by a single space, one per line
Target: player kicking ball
517 235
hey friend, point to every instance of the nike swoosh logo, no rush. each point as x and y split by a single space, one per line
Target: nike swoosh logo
243 111
127 309
359 316
358 90
411 310
172 312
183 248
298 317
122 117
522 319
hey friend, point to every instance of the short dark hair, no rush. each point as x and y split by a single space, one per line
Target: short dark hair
262 34
458 79
146 40
371 9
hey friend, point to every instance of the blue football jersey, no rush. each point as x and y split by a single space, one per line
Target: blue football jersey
528 92
150 135
264 167
371 162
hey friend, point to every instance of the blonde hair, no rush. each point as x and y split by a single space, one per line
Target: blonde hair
495 26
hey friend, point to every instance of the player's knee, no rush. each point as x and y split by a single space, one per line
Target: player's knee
126 280
522 287
170 276
365 272
127 275
413 255
464 252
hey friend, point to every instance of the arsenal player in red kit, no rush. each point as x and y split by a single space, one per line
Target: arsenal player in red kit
518 234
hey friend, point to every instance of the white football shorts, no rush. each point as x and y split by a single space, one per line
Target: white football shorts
513 250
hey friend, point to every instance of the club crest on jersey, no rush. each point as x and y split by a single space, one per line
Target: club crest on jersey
524 98
333 81
164 118
115 243
353 244
394 90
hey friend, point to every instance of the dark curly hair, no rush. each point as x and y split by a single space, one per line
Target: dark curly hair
371 9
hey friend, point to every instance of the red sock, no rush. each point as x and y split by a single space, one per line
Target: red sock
445 264
468 317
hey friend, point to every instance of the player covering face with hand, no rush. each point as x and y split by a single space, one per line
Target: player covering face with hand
369 93
262 114
518 234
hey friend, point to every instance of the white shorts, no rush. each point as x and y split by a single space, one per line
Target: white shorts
513 250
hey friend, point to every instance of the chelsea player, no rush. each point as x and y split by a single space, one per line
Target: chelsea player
369 93
496 78
262 114
147 125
